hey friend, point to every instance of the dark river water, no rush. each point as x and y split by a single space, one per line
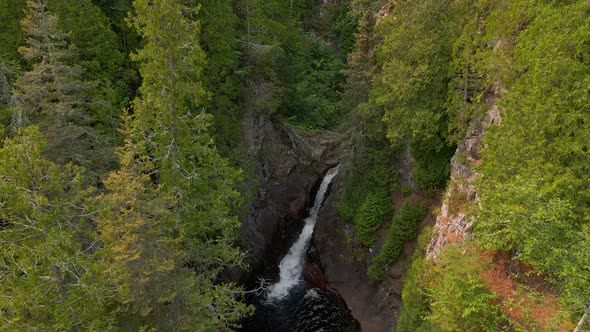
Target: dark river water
304 309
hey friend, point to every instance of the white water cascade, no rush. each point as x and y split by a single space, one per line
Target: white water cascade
291 266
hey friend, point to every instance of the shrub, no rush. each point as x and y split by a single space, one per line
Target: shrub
432 165
460 300
375 207
414 295
403 227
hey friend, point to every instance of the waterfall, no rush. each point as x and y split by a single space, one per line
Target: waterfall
291 266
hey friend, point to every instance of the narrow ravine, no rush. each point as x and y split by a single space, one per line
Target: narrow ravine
291 266
292 303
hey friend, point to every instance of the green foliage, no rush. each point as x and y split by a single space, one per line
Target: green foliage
11 34
361 61
472 72
432 166
370 174
141 254
415 303
415 59
167 138
128 40
334 22
50 278
165 219
438 61
448 294
344 29
414 295
371 157
270 37
287 70
373 210
535 195
54 96
460 298
186 160
219 40
95 49
314 98
403 227
370 153
11 37
411 90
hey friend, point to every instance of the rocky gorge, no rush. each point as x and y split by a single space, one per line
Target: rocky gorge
290 166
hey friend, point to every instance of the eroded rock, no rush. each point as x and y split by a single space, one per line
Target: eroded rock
288 165
369 302
453 224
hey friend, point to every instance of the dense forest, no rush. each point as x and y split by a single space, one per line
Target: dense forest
125 177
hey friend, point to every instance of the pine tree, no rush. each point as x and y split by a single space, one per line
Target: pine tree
53 96
361 61
50 279
11 37
141 253
534 190
168 208
95 49
219 40
168 117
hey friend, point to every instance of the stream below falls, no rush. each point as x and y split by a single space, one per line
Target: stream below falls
291 304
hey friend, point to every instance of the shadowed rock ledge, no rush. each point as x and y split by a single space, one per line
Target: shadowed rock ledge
288 166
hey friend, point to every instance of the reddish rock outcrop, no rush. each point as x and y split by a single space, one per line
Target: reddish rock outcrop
454 222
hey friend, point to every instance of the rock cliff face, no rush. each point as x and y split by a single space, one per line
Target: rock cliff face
287 166
290 167
453 223
372 304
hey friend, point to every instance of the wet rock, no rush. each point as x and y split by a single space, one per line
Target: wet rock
297 206
369 302
286 171
312 273
305 309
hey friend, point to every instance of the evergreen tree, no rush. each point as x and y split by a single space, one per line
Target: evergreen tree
534 190
460 299
11 37
52 84
411 88
361 61
53 96
128 41
95 49
168 117
289 71
142 256
219 40
50 279
174 191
